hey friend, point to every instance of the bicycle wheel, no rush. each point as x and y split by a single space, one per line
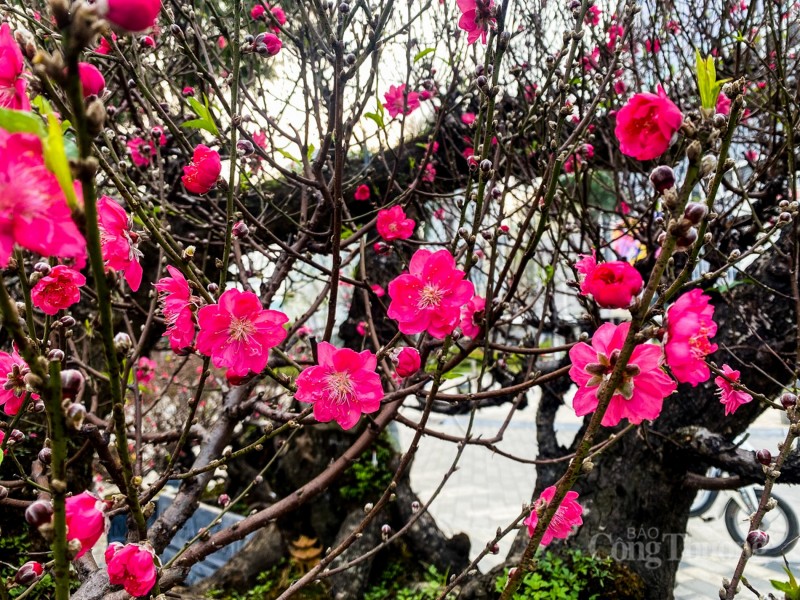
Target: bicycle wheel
780 523
702 502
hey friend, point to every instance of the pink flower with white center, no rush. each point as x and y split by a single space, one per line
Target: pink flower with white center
132 566
689 325
477 16
86 520
141 151
396 103
430 296
237 332
33 209
640 395
729 395
145 370
177 302
57 290
408 362
12 382
392 224
343 385
13 85
132 16
567 516
472 316
118 242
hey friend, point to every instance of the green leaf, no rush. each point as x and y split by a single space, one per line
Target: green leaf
423 53
55 157
707 83
205 120
16 121
285 154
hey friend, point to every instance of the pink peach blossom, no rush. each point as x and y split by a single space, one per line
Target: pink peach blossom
141 151
237 332
477 16
430 296
13 84
392 224
567 516
723 105
689 325
129 15
730 396
646 124
12 382
396 104
118 242
201 175
342 386
640 394
132 566
145 370
86 521
177 302
472 316
592 17
612 284
57 290
34 211
362 192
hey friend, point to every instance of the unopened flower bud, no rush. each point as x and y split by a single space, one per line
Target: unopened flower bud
122 343
764 456
708 164
44 268
386 531
685 241
245 147
695 212
45 456
29 573
662 178
15 437
788 400
757 539
785 217
415 506
240 230
75 415
39 513
486 165
224 500
71 382
67 321
212 288
55 355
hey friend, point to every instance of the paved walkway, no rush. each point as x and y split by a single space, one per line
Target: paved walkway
488 491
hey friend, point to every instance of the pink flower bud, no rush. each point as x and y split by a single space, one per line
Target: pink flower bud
71 382
224 500
764 456
129 15
86 521
408 362
788 400
28 573
757 539
92 80
240 230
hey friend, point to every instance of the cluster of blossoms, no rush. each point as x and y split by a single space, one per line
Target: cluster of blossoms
268 43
